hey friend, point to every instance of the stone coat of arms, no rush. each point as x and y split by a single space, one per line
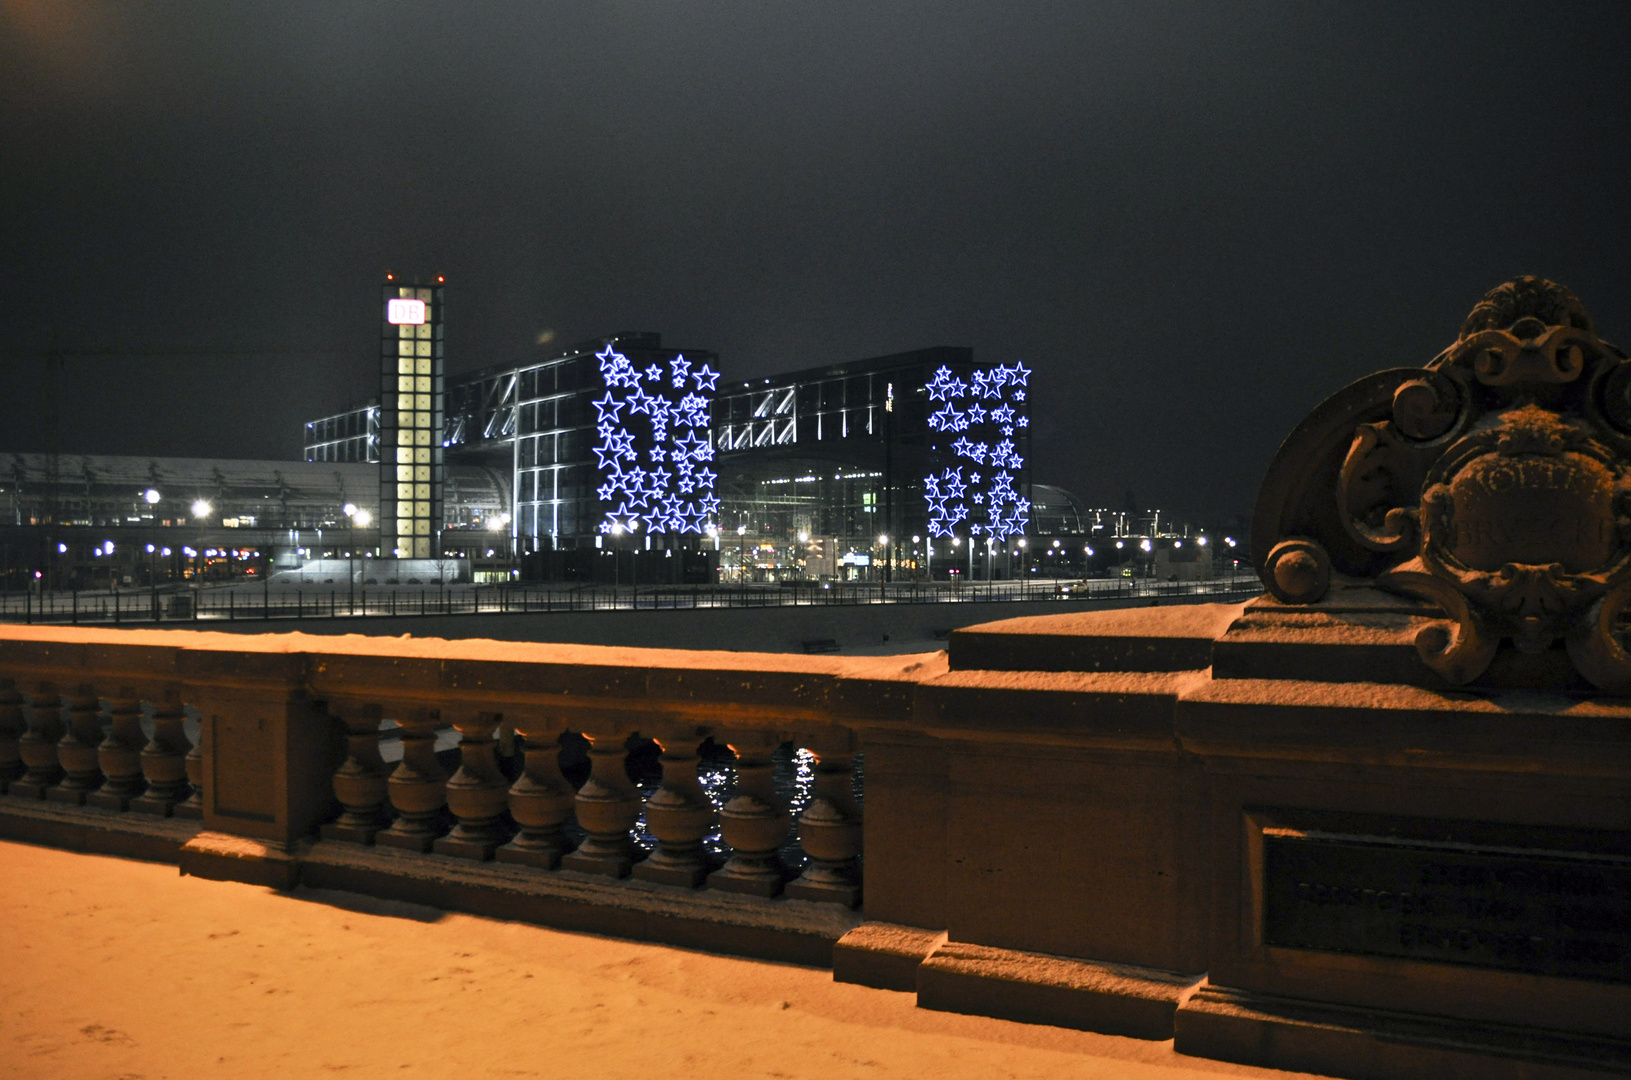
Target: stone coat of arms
1493 483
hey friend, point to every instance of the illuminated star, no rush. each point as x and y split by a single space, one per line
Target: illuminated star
1019 376
605 492
687 484
691 446
693 409
1007 429
641 402
658 454
609 408
1024 421
681 367
705 376
945 386
974 478
976 414
654 372
1003 415
964 448
1019 395
953 481
706 477
608 455
623 443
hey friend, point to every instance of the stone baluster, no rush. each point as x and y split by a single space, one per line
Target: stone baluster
477 793
754 823
541 800
76 749
679 815
192 807
359 782
417 787
608 805
120 754
830 833
164 761
38 745
12 727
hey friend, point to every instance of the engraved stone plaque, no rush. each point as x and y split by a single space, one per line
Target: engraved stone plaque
1544 911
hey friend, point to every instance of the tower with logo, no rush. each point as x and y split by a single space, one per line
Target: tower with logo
410 420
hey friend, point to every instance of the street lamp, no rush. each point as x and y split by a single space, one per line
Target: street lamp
201 511
359 520
617 559
152 497
741 553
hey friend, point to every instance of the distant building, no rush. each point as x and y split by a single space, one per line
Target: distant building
629 460
83 520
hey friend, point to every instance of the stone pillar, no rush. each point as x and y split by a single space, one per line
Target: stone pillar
192 807
76 749
541 801
417 787
38 745
477 793
754 823
164 761
120 754
608 805
679 815
830 833
12 726
360 781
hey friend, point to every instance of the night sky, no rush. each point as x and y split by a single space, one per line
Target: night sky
1193 221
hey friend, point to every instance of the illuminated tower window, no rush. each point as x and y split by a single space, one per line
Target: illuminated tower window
410 424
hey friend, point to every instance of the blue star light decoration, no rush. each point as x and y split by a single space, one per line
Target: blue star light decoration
653 446
976 421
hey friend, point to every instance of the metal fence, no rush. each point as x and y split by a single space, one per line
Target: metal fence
302 601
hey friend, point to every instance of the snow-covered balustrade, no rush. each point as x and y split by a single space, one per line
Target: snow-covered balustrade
287 782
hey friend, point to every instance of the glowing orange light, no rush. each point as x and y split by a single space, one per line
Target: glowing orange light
440 279
390 277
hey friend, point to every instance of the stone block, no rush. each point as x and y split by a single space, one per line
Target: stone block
884 955
1113 999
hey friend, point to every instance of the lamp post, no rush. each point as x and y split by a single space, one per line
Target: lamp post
201 512
359 520
152 497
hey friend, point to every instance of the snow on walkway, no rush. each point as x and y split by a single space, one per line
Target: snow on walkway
125 971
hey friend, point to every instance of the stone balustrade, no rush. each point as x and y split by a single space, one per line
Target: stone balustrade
291 732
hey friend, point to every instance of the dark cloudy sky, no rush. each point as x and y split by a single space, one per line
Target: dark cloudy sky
1192 220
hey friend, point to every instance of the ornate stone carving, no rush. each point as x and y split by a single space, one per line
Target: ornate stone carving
1494 483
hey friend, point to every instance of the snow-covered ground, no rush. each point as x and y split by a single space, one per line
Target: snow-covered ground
113 968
